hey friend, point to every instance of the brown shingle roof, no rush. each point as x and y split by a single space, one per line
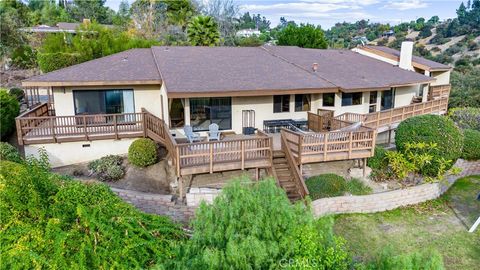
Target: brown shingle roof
227 69
416 59
214 69
135 66
347 69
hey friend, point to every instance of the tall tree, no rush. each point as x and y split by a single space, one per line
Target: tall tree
92 9
225 13
203 31
148 18
305 36
13 16
122 17
462 13
179 12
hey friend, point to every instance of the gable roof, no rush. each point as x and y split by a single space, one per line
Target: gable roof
249 70
418 62
135 66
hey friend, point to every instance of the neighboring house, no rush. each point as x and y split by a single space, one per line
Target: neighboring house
389 33
61 27
98 107
248 33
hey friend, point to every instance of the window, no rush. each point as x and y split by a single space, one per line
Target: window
103 101
281 103
177 112
302 103
373 102
205 111
349 99
387 100
329 100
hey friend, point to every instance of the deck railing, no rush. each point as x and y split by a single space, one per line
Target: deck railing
377 120
297 175
328 146
438 91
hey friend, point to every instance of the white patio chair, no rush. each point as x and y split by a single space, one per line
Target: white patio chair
191 136
213 133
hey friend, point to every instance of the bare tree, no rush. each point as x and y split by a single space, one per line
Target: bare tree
225 13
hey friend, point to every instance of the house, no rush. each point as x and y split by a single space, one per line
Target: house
61 27
248 33
306 105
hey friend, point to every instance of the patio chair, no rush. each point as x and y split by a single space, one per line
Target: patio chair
213 133
191 136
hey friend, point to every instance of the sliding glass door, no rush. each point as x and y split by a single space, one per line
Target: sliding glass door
388 99
103 101
205 111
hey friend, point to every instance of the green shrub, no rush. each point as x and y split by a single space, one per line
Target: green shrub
53 61
10 153
142 152
50 222
107 168
428 129
378 160
256 227
17 93
24 57
326 185
466 118
388 259
471 145
9 109
357 187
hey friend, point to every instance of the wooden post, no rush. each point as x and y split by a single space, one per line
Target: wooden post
85 127
19 131
325 141
350 138
300 146
389 136
243 154
364 167
115 127
52 123
180 188
378 120
144 122
374 138
177 160
211 157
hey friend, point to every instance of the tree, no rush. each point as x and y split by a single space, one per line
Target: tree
462 13
92 9
9 109
434 20
203 31
179 12
148 18
305 36
122 17
225 13
13 16
256 227
465 88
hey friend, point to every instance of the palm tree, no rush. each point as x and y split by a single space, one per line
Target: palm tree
203 31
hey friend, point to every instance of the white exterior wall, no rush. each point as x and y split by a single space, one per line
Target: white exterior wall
339 109
375 56
146 96
443 77
404 95
62 154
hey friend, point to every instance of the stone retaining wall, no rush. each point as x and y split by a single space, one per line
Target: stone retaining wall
156 204
391 199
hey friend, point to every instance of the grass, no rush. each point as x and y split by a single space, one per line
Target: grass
357 187
433 225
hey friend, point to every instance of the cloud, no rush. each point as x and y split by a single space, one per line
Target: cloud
406 5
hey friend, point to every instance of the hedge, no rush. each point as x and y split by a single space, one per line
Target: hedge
53 61
142 152
471 145
326 185
378 160
431 129
9 109
10 153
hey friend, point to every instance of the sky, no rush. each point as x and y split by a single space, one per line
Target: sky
327 12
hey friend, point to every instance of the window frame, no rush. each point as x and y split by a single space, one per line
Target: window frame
352 98
301 102
284 106
104 91
209 106
323 99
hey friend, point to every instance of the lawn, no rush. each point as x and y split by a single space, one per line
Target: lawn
435 225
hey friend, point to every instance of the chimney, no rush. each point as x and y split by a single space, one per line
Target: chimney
315 67
406 53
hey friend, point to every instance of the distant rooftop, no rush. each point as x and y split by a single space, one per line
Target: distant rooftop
61 27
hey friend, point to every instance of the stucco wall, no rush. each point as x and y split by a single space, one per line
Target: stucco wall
62 154
443 77
404 95
146 96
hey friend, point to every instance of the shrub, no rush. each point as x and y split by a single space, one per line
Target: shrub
388 259
107 168
17 93
256 227
9 109
326 185
53 61
466 118
49 221
357 187
10 153
142 152
471 145
428 129
24 57
378 160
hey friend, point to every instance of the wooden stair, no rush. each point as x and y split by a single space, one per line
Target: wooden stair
285 175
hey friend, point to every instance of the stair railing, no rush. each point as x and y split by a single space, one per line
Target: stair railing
297 176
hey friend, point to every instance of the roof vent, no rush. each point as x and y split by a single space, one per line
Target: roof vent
166 48
315 67
125 59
